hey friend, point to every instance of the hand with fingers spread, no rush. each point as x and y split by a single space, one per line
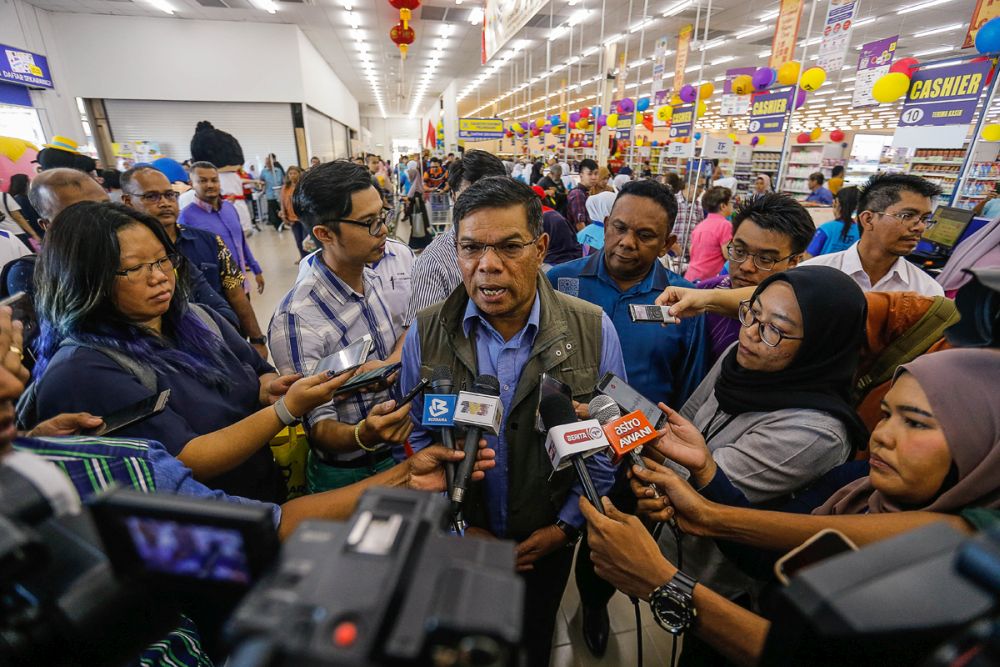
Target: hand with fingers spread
540 543
684 444
427 466
678 500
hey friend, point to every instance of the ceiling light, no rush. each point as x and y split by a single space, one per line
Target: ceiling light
920 5
864 21
935 31
927 52
578 16
721 77
692 68
637 62
557 32
641 24
476 16
677 8
352 18
267 5
723 59
751 31
811 41
715 43
447 30
162 5
767 16
347 6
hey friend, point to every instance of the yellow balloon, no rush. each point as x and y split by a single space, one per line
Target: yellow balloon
991 133
540 123
816 134
582 124
517 127
664 113
788 73
612 120
732 136
743 84
564 117
702 107
813 78
760 140
706 90
890 87
675 100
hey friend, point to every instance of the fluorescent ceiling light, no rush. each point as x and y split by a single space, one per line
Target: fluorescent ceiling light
723 59
715 43
751 31
864 21
162 5
677 7
578 16
935 31
447 30
767 16
920 5
267 5
637 62
939 49
558 32
476 16
721 77
591 51
641 24
692 68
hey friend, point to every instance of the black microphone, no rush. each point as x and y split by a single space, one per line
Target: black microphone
568 438
442 383
479 410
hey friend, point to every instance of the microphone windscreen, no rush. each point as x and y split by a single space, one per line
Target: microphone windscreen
604 409
556 410
486 384
441 373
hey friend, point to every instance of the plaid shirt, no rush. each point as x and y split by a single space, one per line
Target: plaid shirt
689 214
435 274
322 315
576 207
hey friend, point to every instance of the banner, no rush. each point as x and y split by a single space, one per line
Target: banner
683 44
480 128
24 68
733 104
661 97
945 95
768 110
786 32
502 19
836 34
660 61
718 147
984 11
873 64
682 121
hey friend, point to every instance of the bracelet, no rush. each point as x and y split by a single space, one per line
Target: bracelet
357 437
284 414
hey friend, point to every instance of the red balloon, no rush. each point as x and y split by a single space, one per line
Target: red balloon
585 112
836 135
905 66
804 138
405 4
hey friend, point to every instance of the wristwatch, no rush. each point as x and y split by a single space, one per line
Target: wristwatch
258 340
672 604
571 531
286 417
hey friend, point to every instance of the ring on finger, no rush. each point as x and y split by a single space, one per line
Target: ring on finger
16 350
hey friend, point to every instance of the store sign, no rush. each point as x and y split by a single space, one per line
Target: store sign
718 147
945 95
682 121
786 32
733 104
683 45
480 128
660 61
677 149
768 110
24 68
984 11
502 19
836 34
873 64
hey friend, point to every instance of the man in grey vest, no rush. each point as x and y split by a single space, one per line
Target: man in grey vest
506 320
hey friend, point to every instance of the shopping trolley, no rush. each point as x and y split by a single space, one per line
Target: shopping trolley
439 210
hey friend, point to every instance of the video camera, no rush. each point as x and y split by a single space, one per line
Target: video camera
387 587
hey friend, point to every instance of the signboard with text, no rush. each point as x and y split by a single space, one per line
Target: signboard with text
683 44
786 32
945 95
984 11
24 68
502 19
836 34
718 147
480 128
682 121
873 64
768 111
731 103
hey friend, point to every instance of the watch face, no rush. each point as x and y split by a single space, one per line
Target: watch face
672 609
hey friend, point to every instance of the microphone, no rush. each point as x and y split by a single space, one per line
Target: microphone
569 442
480 410
440 402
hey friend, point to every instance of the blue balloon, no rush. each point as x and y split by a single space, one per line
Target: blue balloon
554 119
172 169
642 104
697 136
988 37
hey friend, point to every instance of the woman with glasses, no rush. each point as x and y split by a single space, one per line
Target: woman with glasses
117 328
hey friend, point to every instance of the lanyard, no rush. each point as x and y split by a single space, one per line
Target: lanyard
709 433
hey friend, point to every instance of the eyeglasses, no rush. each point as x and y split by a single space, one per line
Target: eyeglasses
907 219
155 197
506 250
739 255
374 224
137 274
769 334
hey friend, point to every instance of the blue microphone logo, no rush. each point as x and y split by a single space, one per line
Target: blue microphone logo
439 410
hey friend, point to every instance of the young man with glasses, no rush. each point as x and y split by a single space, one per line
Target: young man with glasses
209 261
507 321
770 233
340 301
894 210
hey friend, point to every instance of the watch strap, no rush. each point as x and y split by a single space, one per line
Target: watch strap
571 531
286 417
684 582
258 340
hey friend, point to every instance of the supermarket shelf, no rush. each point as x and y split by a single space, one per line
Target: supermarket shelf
957 163
984 178
946 174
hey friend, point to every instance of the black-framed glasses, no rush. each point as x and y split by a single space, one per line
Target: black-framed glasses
739 255
507 250
155 197
908 219
769 334
140 272
374 223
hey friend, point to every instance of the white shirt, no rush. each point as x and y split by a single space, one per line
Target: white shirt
395 270
726 182
902 277
9 205
11 247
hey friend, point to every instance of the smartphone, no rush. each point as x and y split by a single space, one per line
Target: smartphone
365 380
346 359
410 395
651 313
546 387
629 399
136 412
824 544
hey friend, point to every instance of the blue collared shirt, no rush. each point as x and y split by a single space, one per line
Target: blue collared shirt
821 196
666 363
505 359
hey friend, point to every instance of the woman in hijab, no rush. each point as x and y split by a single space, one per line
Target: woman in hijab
621 179
536 173
599 207
762 184
416 210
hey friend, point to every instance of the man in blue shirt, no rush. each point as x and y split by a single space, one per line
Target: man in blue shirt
664 363
820 196
273 177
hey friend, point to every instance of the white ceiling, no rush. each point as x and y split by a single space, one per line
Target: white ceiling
405 87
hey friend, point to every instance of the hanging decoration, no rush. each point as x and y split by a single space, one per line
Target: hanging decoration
836 135
991 132
890 87
788 73
688 93
803 138
642 104
763 78
816 134
813 78
664 113
988 36
905 66
402 34
743 84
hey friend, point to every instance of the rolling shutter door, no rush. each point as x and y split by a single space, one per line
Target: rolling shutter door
320 136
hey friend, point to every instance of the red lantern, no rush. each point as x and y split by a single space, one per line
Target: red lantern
405 4
836 136
401 37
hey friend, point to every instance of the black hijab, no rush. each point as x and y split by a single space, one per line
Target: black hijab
536 173
820 377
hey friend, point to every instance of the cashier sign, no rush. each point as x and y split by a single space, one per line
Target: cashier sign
944 96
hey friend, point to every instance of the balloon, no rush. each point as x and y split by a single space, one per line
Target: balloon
602 120
655 143
988 37
626 105
572 125
702 107
575 116
535 132
585 112
803 138
706 90
816 134
991 133
664 113
762 78
836 135
540 123
612 120
554 119
813 78
788 73
890 87
675 100
800 98
642 104
754 141
742 85
905 66
697 136
688 93
732 136
547 128
563 117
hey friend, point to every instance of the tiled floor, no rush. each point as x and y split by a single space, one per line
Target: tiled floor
277 256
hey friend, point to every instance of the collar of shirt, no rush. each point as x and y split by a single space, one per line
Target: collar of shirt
205 206
340 290
526 335
852 266
656 278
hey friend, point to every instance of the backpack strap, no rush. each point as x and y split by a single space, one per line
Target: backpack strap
914 342
206 318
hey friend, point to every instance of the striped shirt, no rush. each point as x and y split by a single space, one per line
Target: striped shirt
322 315
435 274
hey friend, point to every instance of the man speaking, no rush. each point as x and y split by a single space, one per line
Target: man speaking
508 322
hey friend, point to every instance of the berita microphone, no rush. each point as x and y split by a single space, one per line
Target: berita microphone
480 411
440 402
569 442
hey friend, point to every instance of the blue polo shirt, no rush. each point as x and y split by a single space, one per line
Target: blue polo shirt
821 196
663 363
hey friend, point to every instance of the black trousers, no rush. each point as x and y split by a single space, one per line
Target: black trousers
272 213
544 587
299 232
594 591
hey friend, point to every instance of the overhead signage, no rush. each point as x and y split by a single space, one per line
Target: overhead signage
873 64
718 147
836 34
683 45
786 32
984 11
731 103
682 121
480 128
660 61
945 95
24 68
768 111
502 19
678 149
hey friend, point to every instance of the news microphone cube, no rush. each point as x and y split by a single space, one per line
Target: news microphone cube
439 410
480 410
628 432
583 439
